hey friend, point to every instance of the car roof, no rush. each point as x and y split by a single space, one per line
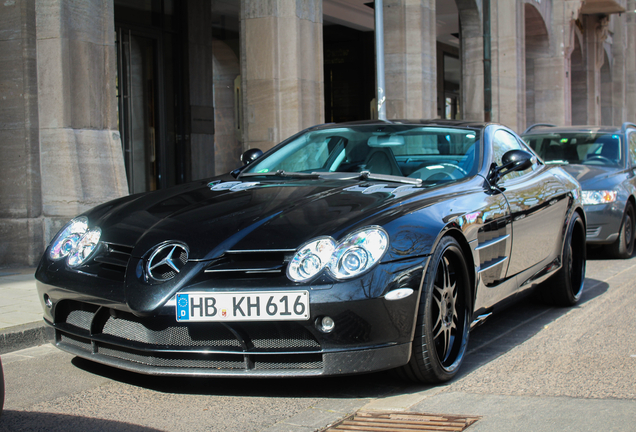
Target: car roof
543 129
407 122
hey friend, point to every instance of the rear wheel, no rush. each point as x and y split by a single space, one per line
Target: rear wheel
623 247
443 322
566 286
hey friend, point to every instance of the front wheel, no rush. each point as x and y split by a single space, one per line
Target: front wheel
441 333
623 247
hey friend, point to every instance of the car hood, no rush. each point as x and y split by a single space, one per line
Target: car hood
591 176
213 217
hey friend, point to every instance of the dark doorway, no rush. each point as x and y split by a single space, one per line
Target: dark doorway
150 92
349 73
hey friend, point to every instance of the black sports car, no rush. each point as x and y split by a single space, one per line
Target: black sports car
603 160
347 248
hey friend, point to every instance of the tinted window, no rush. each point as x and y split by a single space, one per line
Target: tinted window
632 148
577 148
432 154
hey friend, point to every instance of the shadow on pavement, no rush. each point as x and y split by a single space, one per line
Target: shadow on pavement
502 332
12 421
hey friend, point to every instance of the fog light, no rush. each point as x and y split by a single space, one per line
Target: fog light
47 301
325 325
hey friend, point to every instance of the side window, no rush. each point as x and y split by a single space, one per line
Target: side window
503 142
632 148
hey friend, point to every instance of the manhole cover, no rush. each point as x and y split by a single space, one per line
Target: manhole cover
392 421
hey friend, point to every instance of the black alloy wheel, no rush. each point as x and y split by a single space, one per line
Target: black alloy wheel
443 324
623 247
566 286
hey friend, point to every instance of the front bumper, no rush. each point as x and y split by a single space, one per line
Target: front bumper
371 334
603 222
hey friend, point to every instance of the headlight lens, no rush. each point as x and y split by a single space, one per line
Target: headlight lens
85 247
311 259
354 255
358 252
599 197
68 238
75 242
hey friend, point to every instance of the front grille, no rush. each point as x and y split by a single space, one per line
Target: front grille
111 261
249 264
163 342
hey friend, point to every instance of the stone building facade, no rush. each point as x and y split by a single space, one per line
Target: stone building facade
105 98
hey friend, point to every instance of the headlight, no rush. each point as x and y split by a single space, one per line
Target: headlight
599 197
75 241
311 259
68 238
85 247
356 254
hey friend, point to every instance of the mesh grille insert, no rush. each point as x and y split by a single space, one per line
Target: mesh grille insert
162 332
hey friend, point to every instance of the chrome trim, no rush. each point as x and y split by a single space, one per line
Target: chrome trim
496 263
492 242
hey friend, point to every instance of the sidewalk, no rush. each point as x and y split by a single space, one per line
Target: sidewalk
21 324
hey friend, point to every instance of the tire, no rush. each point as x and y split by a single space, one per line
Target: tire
623 247
566 286
441 333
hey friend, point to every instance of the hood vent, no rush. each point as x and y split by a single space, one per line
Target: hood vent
249 264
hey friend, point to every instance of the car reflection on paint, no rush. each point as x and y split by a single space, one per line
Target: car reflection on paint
347 248
603 160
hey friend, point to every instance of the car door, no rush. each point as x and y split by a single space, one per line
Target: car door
537 201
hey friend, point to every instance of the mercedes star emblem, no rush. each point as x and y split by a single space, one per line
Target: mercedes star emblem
167 261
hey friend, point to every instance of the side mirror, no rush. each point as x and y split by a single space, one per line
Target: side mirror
250 156
512 160
516 160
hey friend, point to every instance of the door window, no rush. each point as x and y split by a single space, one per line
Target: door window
502 143
632 148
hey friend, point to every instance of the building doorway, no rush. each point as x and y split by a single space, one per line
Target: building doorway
150 93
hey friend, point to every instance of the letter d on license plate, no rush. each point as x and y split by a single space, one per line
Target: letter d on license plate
243 306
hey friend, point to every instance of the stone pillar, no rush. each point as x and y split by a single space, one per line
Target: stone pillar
619 53
81 155
508 64
565 12
595 35
281 69
472 58
20 195
410 59
630 62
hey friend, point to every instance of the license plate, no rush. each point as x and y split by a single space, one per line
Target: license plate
243 306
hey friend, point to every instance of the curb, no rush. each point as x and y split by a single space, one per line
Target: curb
24 336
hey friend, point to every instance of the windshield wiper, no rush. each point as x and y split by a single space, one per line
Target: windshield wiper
285 174
366 175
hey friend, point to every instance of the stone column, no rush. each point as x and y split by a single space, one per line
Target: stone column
508 64
619 55
20 195
281 69
595 35
472 58
410 59
81 155
630 62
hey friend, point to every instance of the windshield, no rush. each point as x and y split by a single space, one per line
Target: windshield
577 148
432 154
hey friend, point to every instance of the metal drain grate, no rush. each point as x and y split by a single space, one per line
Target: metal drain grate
385 422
